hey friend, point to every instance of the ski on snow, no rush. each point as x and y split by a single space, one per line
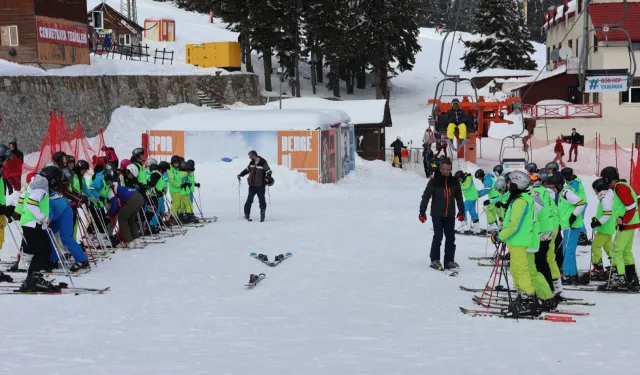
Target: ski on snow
567 303
254 279
278 259
441 270
74 291
500 288
595 288
547 317
502 304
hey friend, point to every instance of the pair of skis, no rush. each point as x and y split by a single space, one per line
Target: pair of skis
73 291
500 314
254 279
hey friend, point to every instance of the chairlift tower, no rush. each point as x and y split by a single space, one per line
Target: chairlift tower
130 9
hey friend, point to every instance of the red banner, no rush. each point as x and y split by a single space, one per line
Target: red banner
50 32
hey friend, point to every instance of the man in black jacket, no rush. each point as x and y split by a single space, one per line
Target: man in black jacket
397 149
457 118
259 176
446 195
575 139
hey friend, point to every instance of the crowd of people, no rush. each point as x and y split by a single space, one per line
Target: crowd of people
539 216
112 206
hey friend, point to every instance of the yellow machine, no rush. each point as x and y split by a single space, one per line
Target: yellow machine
225 55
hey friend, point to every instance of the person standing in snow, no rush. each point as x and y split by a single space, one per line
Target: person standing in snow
259 176
576 184
470 194
604 226
488 181
5 211
427 159
125 203
570 208
558 149
445 193
575 139
397 150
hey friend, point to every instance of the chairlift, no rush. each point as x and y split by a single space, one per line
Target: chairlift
584 73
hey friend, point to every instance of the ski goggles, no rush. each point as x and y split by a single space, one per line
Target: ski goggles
446 169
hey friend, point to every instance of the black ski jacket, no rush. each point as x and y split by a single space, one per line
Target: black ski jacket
257 172
445 194
456 117
397 146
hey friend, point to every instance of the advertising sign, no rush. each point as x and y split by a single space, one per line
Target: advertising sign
166 142
299 150
606 84
51 32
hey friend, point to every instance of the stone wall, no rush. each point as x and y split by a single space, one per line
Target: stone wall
26 101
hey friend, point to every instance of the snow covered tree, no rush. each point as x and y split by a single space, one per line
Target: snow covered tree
504 39
435 13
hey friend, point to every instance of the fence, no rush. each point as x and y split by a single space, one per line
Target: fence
562 111
136 52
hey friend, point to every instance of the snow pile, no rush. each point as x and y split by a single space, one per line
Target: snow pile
359 111
499 130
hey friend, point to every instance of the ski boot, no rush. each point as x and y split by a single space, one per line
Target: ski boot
436 265
262 214
492 228
547 305
5 278
523 305
263 258
558 290
247 216
618 282
453 266
464 228
80 266
632 278
37 283
253 278
475 230
583 240
279 257
194 219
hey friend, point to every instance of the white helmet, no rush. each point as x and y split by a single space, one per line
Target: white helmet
150 162
133 169
500 185
520 179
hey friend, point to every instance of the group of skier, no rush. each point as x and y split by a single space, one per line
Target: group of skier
539 216
117 200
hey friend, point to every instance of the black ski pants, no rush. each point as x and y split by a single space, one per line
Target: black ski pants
443 226
253 191
542 265
36 242
559 250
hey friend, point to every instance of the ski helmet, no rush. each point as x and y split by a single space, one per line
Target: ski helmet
270 181
567 173
124 164
500 186
58 156
107 167
498 170
544 175
133 169
53 174
531 168
110 175
459 175
67 175
610 174
81 165
175 159
600 185
137 152
191 165
5 153
163 166
479 174
153 167
71 159
51 164
506 177
556 181
150 162
520 180
183 165
553 166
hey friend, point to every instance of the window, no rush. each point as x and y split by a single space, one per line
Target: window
9 36
577 47
595 97
595 43
631 96
570 44
125 40
98 20
579 6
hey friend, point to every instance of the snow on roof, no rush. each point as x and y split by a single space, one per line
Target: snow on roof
516 83
255 120
506 73
560 13
359 111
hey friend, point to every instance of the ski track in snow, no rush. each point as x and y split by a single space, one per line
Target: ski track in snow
357 297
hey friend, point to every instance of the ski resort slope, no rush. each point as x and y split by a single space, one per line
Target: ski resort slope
357 297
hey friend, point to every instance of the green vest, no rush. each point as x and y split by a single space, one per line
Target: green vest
192 180
581 193
537 218
619 208
76 184
3 198
546 215
610 226
161 184
522 237
469 189
27 216
142 175
174 179
493 193
565 210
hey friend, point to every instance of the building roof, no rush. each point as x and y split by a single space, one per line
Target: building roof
103 6
518 83
611 13
495 73
559 13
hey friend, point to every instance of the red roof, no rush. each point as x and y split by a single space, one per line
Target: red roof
611 13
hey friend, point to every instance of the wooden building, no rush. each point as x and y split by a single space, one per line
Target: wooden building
49 33
109 29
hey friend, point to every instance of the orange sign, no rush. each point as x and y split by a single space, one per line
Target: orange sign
299 150
166 142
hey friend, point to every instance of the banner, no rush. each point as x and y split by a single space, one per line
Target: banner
328 156
166 143
606 84
51 32
299 150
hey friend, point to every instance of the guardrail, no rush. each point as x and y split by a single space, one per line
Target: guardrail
563 111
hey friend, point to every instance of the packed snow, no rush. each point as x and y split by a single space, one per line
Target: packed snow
359 111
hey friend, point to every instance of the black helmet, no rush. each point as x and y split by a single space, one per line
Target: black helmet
57 156
270 181
531 168
498 170
567 173
138 151
81 165
71 159
253 153
110 175
67 175
610 174
175 159
191 165
459 175
544 175
556 181
52 174
108 167
163 166
479 174
153 167
5 153
183 166
600 185
553 166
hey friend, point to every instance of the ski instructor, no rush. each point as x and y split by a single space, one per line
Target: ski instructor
446 195
259 177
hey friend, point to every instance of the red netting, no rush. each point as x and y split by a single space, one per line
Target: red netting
60 137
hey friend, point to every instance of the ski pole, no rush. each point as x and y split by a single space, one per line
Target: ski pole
269 195
591 252
199 204
239 209
613 258
56 247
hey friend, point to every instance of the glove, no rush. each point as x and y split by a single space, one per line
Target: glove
595 223
183 186
422 218
494 238
45 224
460 216
572 219
621 227
197 184
2 209
238 177
500 205
73 204
486 203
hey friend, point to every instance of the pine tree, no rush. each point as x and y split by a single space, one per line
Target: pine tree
504 41
435 13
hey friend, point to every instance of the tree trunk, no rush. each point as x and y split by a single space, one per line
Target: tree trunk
320 68
241 39
311 42
361 77
381 85
335 79
266 59
248 63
